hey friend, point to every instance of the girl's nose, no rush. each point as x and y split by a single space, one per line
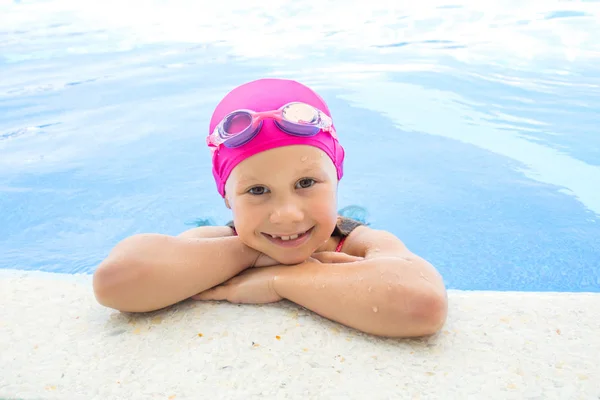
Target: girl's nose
286 214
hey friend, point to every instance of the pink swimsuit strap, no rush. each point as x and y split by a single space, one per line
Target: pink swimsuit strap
340 244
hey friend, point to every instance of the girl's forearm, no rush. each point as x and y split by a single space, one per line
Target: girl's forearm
150 271
382 296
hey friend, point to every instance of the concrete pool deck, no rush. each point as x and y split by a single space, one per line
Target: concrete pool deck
58 343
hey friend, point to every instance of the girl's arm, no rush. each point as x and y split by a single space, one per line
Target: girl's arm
392 292
147 272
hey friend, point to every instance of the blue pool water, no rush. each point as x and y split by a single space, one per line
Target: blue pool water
471 128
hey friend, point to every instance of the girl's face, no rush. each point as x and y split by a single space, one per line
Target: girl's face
284 201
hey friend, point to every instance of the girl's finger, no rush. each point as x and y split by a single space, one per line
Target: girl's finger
216 293
333 257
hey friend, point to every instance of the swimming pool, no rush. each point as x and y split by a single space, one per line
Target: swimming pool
471 129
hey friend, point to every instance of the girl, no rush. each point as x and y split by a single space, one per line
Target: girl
277 162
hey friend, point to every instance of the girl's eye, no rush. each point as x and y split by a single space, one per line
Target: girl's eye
258 190
306 183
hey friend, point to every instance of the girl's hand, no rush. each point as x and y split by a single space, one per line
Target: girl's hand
252 286
256 285
333 257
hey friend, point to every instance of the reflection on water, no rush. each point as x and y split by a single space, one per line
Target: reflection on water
471 128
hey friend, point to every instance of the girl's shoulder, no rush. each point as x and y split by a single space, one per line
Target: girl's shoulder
366 240
343 230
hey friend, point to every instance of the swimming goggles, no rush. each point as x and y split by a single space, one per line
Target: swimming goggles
296 119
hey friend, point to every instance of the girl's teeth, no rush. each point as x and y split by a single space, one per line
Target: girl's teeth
285 237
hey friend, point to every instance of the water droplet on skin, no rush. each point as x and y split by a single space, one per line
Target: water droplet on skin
304 158
375 309
370 289
389 287
323 286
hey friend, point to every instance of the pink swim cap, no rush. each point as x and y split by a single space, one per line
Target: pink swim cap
266 95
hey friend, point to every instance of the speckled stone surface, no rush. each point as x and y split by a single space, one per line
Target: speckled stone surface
58 343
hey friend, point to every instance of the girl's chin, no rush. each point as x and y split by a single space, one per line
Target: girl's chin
290 260
290 257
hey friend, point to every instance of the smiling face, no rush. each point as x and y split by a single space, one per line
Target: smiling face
284 201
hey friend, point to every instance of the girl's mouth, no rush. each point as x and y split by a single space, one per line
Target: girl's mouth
293 240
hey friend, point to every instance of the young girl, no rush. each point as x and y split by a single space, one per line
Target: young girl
277 162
